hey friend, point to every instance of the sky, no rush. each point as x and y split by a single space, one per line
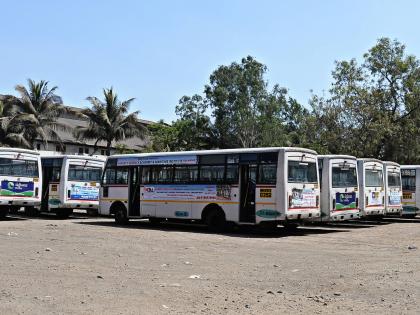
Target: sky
157 51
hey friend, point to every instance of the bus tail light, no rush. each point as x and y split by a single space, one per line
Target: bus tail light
357 202
68 193
317 201
383 200
290 201
334 203
36 192
367 200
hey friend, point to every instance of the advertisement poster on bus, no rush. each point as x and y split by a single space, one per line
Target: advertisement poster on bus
303 198
17 189
159 160
345 201
394 198
187 192
84 192
375 198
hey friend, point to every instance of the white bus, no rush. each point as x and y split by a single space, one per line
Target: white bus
244 186
371 187
20 180
70 182
339 187
410 177
393 189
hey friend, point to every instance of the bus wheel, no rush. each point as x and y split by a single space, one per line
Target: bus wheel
64 213
121 216
31 211
290 226
216 220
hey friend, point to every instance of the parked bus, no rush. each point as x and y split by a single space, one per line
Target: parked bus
410 177
393 189
371 187
339 187
70 182
20 180
244 186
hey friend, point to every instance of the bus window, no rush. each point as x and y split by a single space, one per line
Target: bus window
394 180
374 178
299 172
161 174
185 174
84 174
408 182
13 167
121 176
344 177
214 173
232 174
267 174
109 176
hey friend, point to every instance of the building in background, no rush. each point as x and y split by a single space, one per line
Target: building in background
70 145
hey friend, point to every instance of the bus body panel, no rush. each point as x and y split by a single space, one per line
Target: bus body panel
72 193
393 190
411 189
371 196
338 201
21 189
188 201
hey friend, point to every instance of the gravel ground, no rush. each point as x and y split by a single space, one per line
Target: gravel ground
90 266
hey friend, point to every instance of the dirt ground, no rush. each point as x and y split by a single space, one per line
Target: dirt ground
88 265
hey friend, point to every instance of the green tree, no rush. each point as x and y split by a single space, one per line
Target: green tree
36 112
10 133
163 137
109 120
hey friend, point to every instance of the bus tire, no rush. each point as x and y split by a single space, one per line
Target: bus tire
121 216
64 213
290 227
215 219
31 211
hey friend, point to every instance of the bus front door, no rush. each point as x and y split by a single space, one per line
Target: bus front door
134 192
248 181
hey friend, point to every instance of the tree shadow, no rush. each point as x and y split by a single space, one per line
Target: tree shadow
237 231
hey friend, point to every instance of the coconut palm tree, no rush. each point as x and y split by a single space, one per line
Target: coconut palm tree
109 120
38 109
11 135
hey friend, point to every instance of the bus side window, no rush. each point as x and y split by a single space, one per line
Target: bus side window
161 174
185 174
145 175
267 174
122 176
232 174
109 176
213 173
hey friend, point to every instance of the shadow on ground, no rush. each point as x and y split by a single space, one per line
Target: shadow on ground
237 231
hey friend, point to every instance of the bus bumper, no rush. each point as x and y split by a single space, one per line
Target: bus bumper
344 215
307 215
393 211
19 202
372 212
410 210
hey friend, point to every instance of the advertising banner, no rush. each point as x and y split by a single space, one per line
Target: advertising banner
158 160
17 189
84 192
345 201
303 198
394 198
375 198
187 192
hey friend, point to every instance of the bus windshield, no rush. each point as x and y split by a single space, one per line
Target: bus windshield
394 180
14 167
344 177
299 172
84 173
374 178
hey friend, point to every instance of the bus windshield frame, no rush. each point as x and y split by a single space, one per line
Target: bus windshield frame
81 173
342 177
302 172
19 167
374 173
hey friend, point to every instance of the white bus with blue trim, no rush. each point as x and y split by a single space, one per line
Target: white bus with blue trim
20 180
70 182
410 177
371 187
339 187
243 186
393 188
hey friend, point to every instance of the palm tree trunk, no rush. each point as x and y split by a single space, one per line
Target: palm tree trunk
108 148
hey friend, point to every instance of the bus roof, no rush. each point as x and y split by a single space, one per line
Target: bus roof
391 163
18 150
337 156
410 166
54 155
370 160
217 151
